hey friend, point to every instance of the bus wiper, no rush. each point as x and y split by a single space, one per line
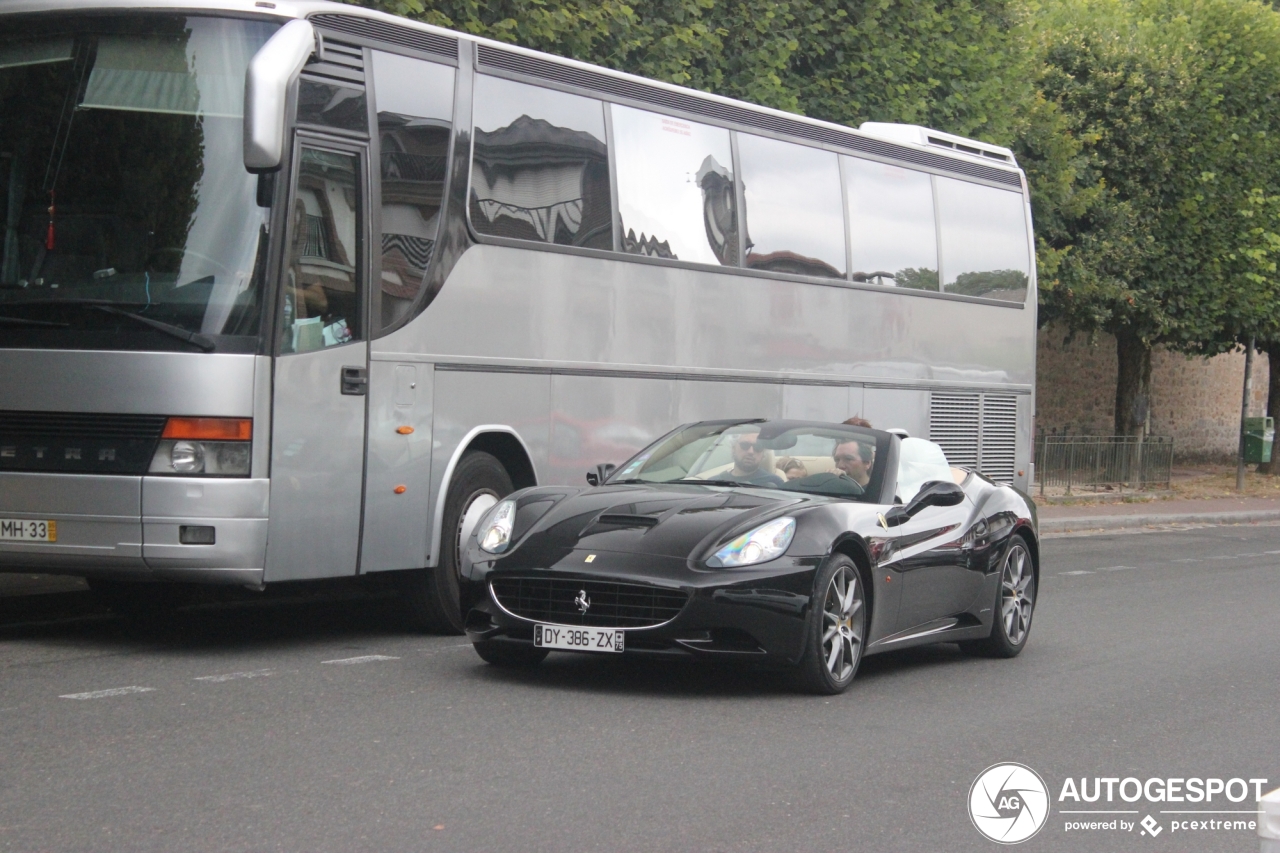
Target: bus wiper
23 321
107 307
193 338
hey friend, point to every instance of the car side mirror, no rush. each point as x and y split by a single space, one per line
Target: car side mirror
602 472
266 90
932 493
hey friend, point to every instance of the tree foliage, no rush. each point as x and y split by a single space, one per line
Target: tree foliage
953 64
1161 229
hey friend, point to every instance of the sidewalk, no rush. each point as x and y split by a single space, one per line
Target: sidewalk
1118 516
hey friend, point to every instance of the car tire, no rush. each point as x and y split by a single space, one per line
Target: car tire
510 655
145 604
434 595
1014 607
836 626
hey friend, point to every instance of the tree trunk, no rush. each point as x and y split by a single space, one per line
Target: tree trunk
1133 382
1273 400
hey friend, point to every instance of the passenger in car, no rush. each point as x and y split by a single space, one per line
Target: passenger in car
748 455
858 422
854 458
792 469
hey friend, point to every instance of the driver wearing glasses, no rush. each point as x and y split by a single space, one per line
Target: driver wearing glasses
748 457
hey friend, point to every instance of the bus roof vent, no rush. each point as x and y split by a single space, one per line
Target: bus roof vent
493 58
917 135
380 31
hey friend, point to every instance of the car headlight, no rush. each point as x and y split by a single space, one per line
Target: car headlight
494 534
766 542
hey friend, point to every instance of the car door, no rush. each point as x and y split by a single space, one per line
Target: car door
935 567
321 367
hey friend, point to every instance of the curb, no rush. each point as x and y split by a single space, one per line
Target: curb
1120 522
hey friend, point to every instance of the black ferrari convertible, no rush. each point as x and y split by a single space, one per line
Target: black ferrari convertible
788 542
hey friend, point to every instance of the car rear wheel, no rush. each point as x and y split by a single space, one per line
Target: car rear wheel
513 655
837 628
434 595
1015 603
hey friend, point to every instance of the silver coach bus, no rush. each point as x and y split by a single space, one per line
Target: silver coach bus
296 290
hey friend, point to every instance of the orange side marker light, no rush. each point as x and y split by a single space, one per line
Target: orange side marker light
405 430
400 490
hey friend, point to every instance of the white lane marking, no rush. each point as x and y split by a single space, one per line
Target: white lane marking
361 659
232 676
102 694
1077 572
1188 560
1114 568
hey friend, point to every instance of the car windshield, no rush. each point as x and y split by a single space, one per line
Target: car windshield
823 459
130 221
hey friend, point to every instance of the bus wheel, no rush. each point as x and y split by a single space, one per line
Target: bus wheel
433 594
148 605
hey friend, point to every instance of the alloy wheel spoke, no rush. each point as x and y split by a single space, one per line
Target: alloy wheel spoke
837 646
830 632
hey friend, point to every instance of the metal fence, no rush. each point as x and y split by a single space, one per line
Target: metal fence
1092 463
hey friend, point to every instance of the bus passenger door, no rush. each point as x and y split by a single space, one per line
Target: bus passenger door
321 371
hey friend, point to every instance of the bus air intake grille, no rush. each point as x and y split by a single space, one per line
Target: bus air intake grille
373 31
611 605
689 102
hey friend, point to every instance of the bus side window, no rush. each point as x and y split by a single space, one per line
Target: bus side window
892 234
414 100
675 188
984 241
793 211
541 166
322 287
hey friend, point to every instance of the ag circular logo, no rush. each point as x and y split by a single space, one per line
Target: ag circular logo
1008 803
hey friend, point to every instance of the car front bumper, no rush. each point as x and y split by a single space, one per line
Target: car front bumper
756 614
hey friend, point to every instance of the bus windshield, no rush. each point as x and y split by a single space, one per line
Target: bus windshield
129 219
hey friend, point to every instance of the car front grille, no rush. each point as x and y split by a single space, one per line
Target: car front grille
610 604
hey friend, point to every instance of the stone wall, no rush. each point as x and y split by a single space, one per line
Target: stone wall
1194 400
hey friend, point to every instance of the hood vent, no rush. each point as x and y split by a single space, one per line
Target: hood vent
623 520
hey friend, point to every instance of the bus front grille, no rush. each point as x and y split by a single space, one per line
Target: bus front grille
78 442
609 604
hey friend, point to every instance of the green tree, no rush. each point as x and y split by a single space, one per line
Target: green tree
1169 106
958 65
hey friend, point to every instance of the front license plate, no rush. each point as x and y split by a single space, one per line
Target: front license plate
578 639
24 530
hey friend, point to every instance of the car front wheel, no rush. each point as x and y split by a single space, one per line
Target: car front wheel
837 628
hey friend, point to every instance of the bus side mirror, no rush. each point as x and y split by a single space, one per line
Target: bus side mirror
266 90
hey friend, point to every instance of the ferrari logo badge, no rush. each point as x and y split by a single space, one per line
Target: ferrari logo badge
591 558
584 603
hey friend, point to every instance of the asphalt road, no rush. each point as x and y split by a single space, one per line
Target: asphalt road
322 726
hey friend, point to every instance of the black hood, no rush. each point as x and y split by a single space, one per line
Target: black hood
661 521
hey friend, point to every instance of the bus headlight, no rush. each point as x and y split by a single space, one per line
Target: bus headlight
766 542
208 447
494 532
202 458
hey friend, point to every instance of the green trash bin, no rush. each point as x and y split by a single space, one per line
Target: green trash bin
1259 435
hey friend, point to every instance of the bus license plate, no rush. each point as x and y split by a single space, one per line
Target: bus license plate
578 639
25 530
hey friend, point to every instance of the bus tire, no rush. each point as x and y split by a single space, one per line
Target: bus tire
434 595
